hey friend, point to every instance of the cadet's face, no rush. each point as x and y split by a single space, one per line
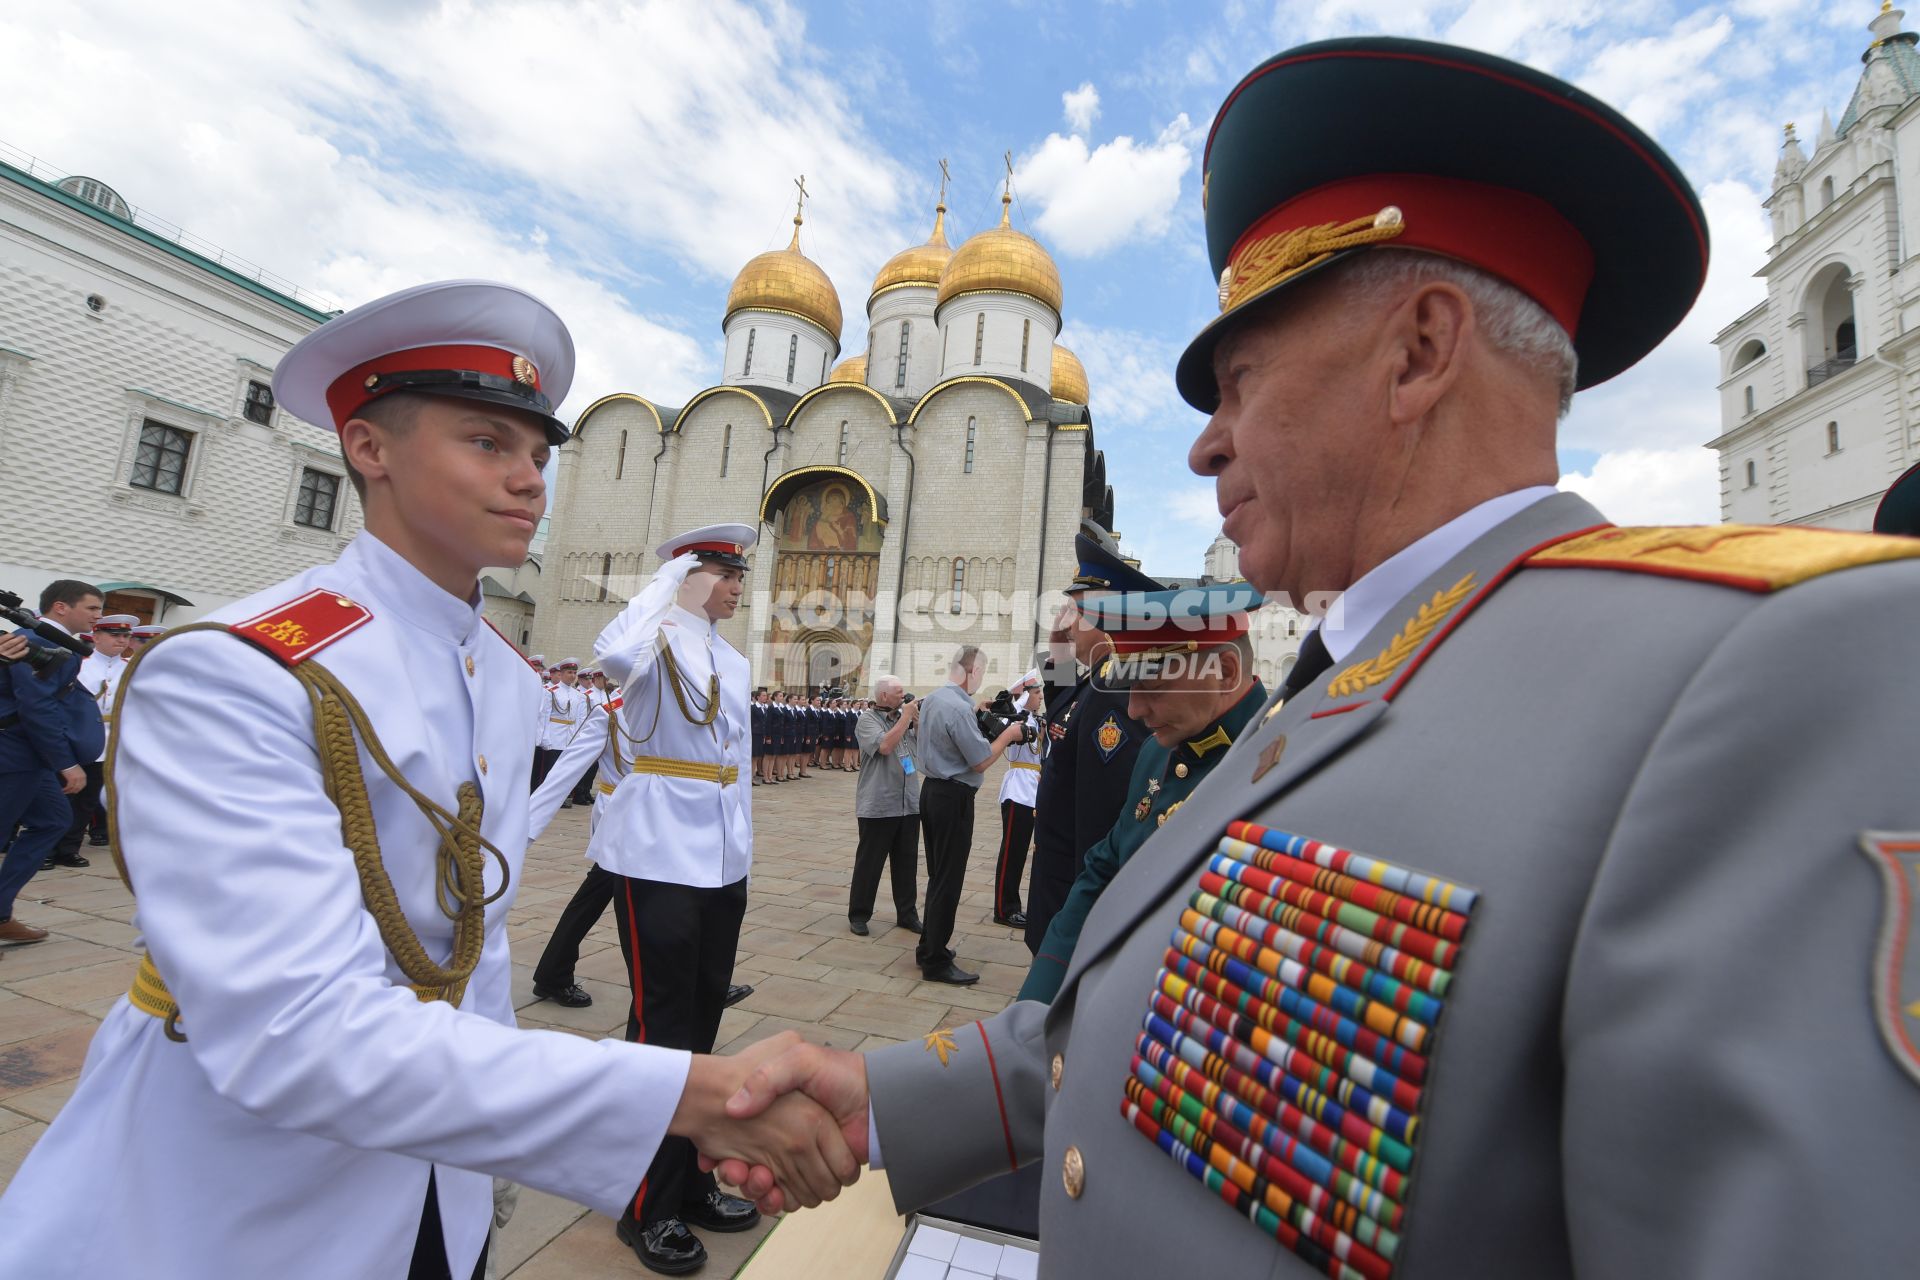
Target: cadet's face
1297 447
466 487
714 589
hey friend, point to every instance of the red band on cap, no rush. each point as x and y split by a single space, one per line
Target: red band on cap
349 393
1520 238
1217 632
717 548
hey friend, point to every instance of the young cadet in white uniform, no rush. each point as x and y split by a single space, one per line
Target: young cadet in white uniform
341 1074
562 712
1018 789
678 833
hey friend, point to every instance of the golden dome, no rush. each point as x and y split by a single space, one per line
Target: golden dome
787 280
1069 376
852 369
922 264
1002 259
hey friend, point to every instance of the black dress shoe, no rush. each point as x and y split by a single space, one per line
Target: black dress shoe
572 996
718 1211
859 927
912 925
951 974
1018 920
65 860
735 994
98 842
666 1246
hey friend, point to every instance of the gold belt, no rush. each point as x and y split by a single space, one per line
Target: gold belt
558 720
149 994
1022 764
724 774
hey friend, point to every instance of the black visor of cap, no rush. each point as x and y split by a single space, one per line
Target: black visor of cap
465 384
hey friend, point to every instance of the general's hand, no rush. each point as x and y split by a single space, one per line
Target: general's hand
834 1078
72 778
795 1149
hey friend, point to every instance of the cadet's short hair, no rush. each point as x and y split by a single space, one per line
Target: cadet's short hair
396 413
67 591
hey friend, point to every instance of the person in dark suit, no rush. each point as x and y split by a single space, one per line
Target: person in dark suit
49 729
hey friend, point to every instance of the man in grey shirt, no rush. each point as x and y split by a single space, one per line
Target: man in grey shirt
953 756
887 806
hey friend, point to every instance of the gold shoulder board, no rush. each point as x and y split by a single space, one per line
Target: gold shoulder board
1749 557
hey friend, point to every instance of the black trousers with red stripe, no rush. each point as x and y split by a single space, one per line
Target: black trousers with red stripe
1016 837
678 942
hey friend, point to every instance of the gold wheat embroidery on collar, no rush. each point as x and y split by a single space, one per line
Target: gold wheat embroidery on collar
1382 665
940 1043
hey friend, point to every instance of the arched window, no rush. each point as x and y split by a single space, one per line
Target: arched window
1826 192
620 459
972 434
747 368
726 448
1749 393
900 370
959 585
1752 474
979 335
1026 334
1750 350
793 353
606 572
1833 438
844 433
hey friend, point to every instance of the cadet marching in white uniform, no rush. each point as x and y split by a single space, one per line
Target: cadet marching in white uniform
293 1131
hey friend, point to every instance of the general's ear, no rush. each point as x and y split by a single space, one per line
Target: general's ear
1430 330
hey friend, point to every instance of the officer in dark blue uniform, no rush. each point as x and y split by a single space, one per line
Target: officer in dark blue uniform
49 729
1091 741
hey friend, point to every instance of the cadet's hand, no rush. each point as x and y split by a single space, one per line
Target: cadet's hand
679 567
834 1078
72 778
795 1149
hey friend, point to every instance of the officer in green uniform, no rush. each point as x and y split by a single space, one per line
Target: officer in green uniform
1183 659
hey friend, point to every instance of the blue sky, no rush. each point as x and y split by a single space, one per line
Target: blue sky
624 160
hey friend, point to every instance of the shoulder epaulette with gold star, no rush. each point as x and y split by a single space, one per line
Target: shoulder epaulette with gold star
1750 557
295 631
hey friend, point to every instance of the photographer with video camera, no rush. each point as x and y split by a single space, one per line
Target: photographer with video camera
49 726
954 752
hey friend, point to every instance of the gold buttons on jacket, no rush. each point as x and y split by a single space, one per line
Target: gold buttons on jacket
1180 771
1059 1067
1073 1173
469 664
483 764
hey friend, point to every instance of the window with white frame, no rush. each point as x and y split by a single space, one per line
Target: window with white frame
748 367
845 432
1749 394
319 498
726 448
959 585
259 405
160 463
793 353
1026 335
900 370
1753 474
979 336
1833 437
972 435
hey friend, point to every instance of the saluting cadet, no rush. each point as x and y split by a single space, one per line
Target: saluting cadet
593 755
1018 787
320 801
1534 934
562 712
678 833
1091 740
1183 659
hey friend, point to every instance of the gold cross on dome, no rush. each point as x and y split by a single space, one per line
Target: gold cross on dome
800 208
1009 159
945 177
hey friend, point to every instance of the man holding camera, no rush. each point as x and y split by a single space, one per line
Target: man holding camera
49 730
954 753
887 806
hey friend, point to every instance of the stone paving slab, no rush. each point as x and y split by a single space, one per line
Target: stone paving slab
811 976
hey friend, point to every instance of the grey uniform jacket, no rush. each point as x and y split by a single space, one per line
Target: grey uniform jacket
1659 1055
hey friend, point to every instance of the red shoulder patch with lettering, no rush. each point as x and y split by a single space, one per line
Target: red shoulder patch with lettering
297 630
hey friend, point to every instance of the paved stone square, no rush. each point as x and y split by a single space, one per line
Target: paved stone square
809 975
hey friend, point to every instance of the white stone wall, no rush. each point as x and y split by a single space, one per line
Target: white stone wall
773 334
912 305
173 343
1001 338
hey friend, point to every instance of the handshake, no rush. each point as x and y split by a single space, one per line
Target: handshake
785 1121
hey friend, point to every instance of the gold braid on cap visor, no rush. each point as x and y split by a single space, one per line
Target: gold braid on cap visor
1272 259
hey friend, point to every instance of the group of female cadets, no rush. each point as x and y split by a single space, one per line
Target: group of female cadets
792 735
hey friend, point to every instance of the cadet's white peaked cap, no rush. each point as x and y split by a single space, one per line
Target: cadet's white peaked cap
117 622
725 543
472 339
564 663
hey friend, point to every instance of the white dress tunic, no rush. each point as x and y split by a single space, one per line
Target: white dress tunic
292 1134
676 830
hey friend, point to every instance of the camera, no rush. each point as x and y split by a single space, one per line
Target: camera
1001 712
39 658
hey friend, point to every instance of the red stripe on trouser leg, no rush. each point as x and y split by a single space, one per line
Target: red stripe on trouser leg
639 1010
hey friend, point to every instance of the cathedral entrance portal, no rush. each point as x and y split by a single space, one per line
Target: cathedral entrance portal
826 537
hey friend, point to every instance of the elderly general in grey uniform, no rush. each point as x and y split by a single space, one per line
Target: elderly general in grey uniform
1556 925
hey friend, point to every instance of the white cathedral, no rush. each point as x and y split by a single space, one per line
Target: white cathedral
911 498
1820 383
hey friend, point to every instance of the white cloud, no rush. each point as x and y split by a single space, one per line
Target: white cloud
1651 80
1130 377
1081 106
1094 201
1652 486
